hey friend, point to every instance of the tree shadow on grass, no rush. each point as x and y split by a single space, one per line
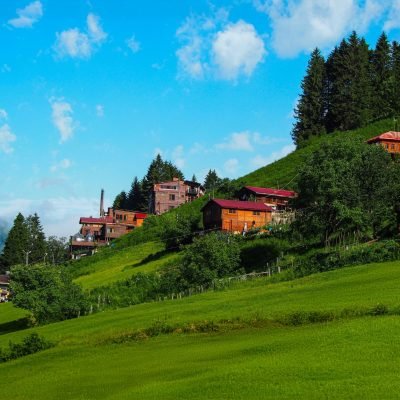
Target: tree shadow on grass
149 258
13 326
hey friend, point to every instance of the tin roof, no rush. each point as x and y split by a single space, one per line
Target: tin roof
271 191
91 220
240 205
391 135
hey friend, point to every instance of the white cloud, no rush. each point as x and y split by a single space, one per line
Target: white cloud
59 216
260 161
133 44
62 118
237 141
63 164
27 16
6 138
231 166
393 21
6 135
5 68
238 49
95 31
77 44
100 110
303 25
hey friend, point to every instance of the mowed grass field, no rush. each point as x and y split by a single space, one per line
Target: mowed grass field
346 358
123 264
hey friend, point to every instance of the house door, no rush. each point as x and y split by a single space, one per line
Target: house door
227 225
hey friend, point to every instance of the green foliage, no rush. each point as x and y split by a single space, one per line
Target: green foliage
57 250
211 180
31 344
256 253
36 239
135 200
47 292
343 189
120 201
310 110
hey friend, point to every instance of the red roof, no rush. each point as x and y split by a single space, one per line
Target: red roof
271 191
391 135
240 205
140 215
91 220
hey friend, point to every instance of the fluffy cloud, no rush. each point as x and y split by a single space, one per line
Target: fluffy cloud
62 118
393 21
237 49
77 44
300 26
63 164
6 135
237 141
133 44
59 216
27 16
211 46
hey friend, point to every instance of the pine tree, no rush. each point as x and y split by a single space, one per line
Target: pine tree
349 85
120 201
135 196
310 110
36 239
194 179
381 78
395 76
16 243
211 180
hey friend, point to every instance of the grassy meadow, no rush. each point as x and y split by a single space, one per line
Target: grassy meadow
353 356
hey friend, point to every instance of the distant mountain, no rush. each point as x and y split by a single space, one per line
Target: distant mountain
3 234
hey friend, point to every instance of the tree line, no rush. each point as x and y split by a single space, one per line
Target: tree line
27 244
354 86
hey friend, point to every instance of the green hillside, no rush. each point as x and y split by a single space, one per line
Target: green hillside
282 172
256 350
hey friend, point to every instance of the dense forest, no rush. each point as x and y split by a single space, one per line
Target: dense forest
354 86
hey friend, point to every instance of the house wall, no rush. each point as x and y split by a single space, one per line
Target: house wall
233 220
390 146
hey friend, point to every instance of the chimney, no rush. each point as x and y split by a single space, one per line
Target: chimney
102 203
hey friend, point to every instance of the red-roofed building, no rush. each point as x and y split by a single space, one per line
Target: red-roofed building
389 140
235 216
99 231
278 199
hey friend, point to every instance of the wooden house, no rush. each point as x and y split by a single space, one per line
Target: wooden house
389 140
168 195
235 216
278 199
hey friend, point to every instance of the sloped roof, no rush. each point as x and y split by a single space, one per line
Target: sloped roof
91 220
4 279
271 191
240 205
391 135
140 215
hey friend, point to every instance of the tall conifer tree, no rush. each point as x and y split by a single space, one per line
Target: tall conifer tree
36 239
381 78
395 74
310 110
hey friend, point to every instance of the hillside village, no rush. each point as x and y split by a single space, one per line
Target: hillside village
279 284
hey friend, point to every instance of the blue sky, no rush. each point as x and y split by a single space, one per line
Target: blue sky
92 90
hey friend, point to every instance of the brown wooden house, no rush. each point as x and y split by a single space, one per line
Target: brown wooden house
389 140
278 199
235 216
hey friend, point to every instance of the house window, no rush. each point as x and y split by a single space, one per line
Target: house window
256 212
392 146
232 211
172 197
124 217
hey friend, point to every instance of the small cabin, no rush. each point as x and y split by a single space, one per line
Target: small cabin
389 140
235 216
278 199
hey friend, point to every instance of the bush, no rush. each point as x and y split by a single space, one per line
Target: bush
31 344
